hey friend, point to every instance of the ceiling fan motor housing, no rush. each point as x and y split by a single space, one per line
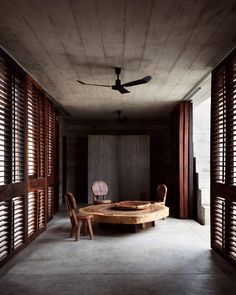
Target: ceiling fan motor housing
117 70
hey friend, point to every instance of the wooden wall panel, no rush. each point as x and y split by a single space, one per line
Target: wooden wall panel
103 163
123 162
134 167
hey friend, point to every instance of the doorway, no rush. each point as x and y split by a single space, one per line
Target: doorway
201 147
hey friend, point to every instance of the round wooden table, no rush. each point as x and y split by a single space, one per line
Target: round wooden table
108 213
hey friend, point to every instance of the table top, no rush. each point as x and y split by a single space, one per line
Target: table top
107 213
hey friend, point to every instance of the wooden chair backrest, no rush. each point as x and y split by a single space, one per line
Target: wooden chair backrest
161 193
99 188
72 208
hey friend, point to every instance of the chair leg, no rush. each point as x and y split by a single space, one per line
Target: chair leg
78 231
85 227
72 231
90 230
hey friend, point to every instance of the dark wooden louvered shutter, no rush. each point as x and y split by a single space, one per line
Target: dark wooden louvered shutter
223 159
41 209
51 139
5 232
50 203
32 213
231 238
36 211
17 221
33 129
42 135
18 125
5 122
218 226
218 128
11 225
27 159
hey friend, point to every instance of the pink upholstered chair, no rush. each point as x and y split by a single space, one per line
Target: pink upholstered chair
100 190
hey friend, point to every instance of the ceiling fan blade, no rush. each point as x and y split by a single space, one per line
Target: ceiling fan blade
102 85
138 82
122 90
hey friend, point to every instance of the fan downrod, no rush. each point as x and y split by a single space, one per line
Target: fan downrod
117 71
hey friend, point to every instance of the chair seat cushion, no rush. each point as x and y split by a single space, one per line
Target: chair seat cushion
97 202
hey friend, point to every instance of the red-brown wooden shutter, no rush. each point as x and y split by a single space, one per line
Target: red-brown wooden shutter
51 139
5 233
18 125
50 200
17 221
41 209
12 225
36 211
32 213
5 122
33 129
223 159
232 231
42 135
27 159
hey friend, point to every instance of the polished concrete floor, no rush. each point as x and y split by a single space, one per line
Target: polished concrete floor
172 258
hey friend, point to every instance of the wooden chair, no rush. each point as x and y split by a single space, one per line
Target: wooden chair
78 219
100 190
161 194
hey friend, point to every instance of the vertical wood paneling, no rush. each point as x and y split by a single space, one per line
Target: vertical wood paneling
134 167
103 163
123 162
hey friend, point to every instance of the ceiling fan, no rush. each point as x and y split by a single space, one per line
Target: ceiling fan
118 86
120 117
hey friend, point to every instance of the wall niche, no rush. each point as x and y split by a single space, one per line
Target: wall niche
123 162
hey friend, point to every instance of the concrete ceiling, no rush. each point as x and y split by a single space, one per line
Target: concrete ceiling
176 42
